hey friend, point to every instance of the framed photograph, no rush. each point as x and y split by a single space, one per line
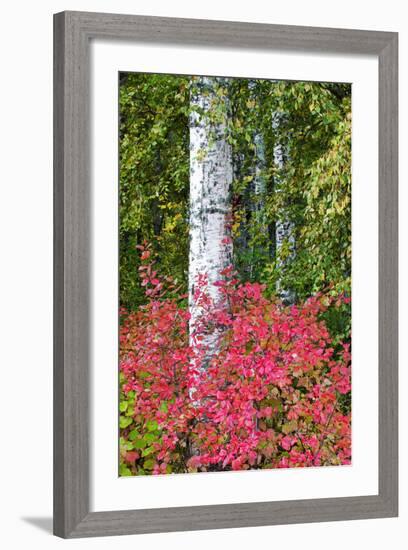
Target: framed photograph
225 285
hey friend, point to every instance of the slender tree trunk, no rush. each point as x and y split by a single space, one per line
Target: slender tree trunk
257 192
210 201
285 230
259 225
259 179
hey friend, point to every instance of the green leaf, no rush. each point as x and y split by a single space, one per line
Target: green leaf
133 434
125 421
123 406
140 444
152 425
150 437
148 451
124 470
149 464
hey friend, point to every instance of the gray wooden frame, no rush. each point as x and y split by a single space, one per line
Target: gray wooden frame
72 33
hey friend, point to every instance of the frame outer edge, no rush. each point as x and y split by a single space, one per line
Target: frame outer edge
58 287
71 283
169 30
72 31
256 514
388 274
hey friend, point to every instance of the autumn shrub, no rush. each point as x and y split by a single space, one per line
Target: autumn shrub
271 396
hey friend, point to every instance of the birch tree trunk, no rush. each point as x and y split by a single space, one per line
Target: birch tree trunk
258 229
284 236
260 238
210 201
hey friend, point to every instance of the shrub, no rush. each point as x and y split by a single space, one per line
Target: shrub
272 396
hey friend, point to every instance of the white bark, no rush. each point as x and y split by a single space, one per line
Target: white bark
259 228
210 201
259 180
259 165
284 232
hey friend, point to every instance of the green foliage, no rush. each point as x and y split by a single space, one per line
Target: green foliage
154 176
317 181
312 189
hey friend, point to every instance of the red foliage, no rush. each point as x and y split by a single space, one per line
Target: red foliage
269 397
